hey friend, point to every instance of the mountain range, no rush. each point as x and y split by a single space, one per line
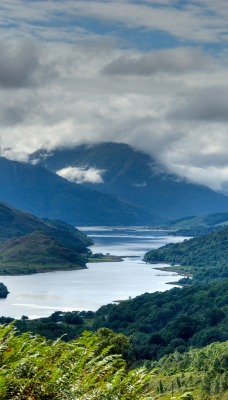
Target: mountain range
132 177
38 191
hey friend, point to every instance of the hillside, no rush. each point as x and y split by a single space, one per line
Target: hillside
37 252
205 257
175 320
208 250
29 244
40 192
93 367
197 226
134 177
16 223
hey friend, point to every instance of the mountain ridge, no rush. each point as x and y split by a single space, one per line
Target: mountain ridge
135 177
40 192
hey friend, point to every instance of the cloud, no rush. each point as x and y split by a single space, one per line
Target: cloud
209 104
171 61
18 64
81 175
151 74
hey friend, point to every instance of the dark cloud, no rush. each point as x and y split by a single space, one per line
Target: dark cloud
208 105
173 61
17 65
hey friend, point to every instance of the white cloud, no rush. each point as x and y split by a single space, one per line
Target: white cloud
64 84
81 175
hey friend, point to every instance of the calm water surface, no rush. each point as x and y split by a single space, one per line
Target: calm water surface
39 295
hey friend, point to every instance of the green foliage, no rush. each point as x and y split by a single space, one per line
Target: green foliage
198 374
92 368
207 255
160 323
32 368
156 324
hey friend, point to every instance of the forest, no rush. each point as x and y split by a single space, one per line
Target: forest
157 323
204 257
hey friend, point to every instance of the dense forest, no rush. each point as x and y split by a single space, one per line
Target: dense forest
207 256
156 323
93 367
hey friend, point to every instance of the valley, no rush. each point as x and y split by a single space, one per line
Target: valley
143 275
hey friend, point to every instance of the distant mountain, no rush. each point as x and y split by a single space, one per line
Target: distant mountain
133 177
197 226
29 244
40 192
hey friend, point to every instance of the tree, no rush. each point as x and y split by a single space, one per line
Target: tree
3 291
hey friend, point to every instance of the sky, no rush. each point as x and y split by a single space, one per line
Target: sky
152 74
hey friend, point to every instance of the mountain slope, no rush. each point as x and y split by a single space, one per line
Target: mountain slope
29 244
209 250
16 223
134 177
197 226
45 194
37 252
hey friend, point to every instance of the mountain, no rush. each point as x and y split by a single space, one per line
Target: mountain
29 244
197 226
38 191
134 177
37 252
15 223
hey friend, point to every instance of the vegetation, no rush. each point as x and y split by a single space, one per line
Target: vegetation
200 374
3 291
15 223
160 323
37 252
29 244
92 367
99 257
157 323
207 255
197 226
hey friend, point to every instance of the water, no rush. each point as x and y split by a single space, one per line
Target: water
39 295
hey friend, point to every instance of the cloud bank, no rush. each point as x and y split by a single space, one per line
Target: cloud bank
148 73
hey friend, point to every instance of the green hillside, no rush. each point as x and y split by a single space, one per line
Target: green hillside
160 323
29 244
197 226
207 256
37 252
16 223
92 367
